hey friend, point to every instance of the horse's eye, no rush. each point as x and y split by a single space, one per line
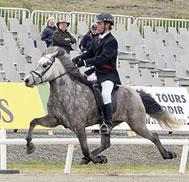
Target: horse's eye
44 65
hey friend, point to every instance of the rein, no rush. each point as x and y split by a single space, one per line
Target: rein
41 76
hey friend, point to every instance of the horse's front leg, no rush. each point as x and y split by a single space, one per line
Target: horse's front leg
81 134
46 121
105 143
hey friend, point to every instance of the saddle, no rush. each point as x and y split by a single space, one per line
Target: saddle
96 88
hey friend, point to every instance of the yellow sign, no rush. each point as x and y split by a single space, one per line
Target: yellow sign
19 105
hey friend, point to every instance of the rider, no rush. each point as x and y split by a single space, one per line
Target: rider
102 54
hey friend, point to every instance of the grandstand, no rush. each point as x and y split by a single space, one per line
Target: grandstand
152 51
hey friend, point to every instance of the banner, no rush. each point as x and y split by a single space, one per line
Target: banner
174 99
19 105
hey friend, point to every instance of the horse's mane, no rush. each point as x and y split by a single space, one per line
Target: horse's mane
65 59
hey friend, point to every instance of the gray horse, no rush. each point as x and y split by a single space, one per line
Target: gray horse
72 104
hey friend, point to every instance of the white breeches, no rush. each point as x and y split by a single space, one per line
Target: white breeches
107 87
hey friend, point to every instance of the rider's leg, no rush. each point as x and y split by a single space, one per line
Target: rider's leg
107 87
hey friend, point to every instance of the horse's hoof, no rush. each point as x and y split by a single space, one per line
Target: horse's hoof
170 155
83 161
101 159
173 155
30 148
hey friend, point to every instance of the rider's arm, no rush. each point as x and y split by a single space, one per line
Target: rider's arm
109 50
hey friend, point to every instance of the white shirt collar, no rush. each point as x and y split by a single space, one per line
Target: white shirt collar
104 35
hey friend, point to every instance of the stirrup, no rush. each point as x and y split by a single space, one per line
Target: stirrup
105 129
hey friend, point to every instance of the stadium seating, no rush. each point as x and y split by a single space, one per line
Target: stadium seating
155 57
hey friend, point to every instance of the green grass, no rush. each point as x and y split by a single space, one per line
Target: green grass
111 169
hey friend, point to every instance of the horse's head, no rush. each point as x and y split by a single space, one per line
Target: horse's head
49 67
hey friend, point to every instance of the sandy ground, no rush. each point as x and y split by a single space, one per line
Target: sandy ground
60 177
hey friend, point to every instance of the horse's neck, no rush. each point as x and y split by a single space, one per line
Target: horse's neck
64 89
61 87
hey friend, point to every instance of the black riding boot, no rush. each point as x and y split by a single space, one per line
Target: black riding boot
106 127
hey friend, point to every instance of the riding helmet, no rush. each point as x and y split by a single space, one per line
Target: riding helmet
105 17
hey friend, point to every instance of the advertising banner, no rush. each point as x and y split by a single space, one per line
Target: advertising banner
174 99
19 105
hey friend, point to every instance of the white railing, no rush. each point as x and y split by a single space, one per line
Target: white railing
74 141
89 18
39 17
161 22
19 13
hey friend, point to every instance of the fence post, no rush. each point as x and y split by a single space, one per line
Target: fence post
184 157
69 156
3 149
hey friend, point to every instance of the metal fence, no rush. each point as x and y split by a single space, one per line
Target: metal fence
19 13
39 17
161 22
89 18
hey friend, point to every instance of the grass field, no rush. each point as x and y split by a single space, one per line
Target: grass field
150 8
110 169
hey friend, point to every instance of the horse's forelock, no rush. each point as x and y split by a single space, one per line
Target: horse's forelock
51 50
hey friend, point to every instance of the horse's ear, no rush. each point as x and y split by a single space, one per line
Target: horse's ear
58 53
55 53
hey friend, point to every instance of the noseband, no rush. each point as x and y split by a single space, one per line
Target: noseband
41 76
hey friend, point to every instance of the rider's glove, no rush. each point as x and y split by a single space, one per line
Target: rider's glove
80 63
76 59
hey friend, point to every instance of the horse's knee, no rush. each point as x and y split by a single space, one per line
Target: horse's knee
33 123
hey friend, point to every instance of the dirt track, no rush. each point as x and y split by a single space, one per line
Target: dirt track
60 177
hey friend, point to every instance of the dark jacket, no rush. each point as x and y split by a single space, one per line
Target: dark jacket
103 55
63 39
47 35
86 41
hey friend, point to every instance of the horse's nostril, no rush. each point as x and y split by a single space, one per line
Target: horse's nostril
26 81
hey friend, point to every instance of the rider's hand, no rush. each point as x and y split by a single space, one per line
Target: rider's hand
76 59
80 63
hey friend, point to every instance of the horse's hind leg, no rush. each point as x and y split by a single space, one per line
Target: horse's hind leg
141 129
46 121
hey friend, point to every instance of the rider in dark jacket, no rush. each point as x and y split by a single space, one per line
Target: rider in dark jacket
87 38
48 31
103 56
62 37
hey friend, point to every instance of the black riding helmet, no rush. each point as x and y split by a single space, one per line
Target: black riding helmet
105 17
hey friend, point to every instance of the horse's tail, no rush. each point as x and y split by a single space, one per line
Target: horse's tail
165 119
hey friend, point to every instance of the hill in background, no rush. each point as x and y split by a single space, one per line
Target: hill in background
149 8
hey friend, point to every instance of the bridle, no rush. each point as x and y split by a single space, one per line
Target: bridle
41 75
